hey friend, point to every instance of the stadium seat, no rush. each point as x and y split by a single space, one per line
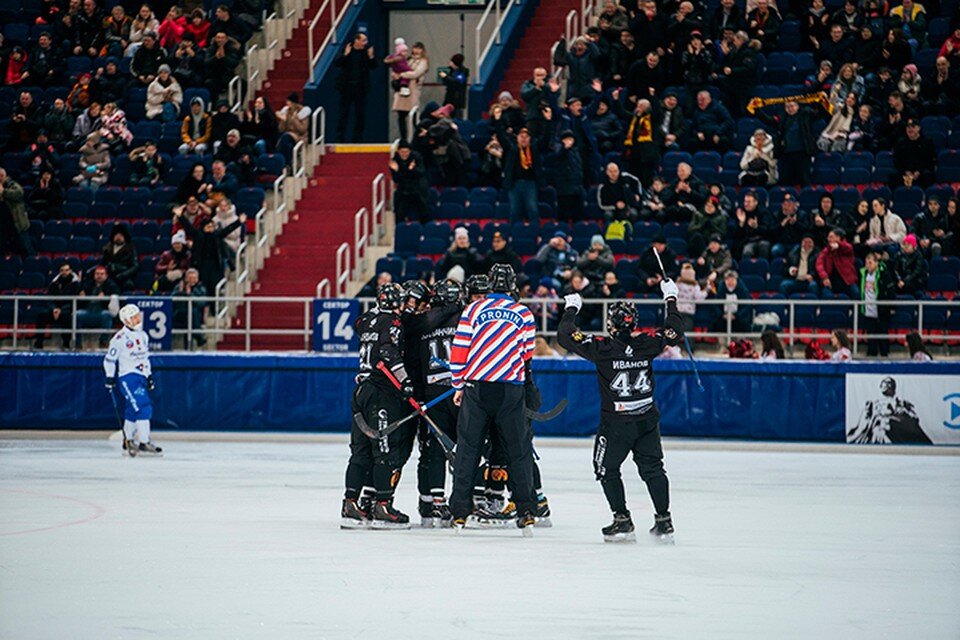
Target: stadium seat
407 238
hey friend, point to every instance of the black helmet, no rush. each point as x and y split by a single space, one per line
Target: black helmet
415 289
502 278
478 285
621 318
390 297
447 292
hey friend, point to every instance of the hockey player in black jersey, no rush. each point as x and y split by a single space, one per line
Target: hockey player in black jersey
629 419
430 335
381 340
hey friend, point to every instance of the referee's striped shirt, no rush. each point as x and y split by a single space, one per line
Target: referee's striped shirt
494 339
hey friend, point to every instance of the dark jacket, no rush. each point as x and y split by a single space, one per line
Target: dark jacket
803 118
567 174
355 70
648 267
64 287
121 263
912 269
505 256
916 155
91 289
793 260
512 168
467 258
410 181
714 120
743 69
456 83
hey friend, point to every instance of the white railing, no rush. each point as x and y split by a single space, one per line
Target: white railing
571 27
587 9
343 270
495 37
318 129
361 240
299 160
378 205
323 288
413 117
253 74
331 38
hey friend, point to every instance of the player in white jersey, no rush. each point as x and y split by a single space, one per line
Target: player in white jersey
127 365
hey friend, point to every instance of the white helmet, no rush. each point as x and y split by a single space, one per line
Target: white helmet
128 313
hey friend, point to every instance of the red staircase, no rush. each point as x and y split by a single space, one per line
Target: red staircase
290 71
545 28
306 252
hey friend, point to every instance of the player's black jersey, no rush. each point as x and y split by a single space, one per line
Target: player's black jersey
432 334
624 367
381 340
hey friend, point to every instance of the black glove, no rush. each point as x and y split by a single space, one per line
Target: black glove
111 384
151 385
531 396
407 391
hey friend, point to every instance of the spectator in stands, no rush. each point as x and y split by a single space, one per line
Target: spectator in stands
449 151
116 31
209 257
164 96
534 93
727 16
795 142
511 113
714 261
736 75
860 223
222 122
94 163
173 264
849 18
81 94
46 198
895 52
355 64
801 276
557 258
622 56
877 285
580 283
847 82
120 257
641 146
14 222
568 178
909 84
407 70
461 254
144 23
770 346
24 122
757 163
45 67
597 260
409 177
187 63
738 317
696 63
915 158
88 122
113 128
190 287
815 25
840 342
60 313
224 216
40 155
863 130
648 268
918 352
887 229
612 21
491 161
172 28
88 30
763 24
940 90
685 195
370 289
791 227
522 170
670 122
652 202
826 217
836 269
146 165
931 229
867 50
109 85
147 60
893 125
909 268
546 290
619 195
578 122
456 81
606 126
911 18
293 122
754 229
646 78
711 128
706 222
950 48
230 25
223 184
259 126
222 56
822 80
836 49
95 313
501 253
690 291
15 69
195 132
195 184
835 136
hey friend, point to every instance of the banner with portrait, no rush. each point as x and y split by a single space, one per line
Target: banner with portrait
902 409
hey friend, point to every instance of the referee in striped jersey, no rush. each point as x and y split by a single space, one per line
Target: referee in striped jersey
490 360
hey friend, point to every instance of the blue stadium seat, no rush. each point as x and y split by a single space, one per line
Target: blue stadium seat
856 176
679 245
483 195
478 210
57 229
449 210
8 281
845 197
87 229
453 195
438 230
777 194
157 211
414 268
675 230
905 316
391 265
872 193
75 194
706 160
942 283
945 265
433 246
79 244
908 195
407 238
833 317
31 281
53 245
755 267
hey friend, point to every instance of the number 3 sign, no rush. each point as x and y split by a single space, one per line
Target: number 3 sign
333 322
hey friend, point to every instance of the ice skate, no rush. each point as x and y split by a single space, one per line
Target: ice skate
662 529
150 449
620 530
525 523
386 517
489 519
543 513
435 514
352 516
129 448
459 524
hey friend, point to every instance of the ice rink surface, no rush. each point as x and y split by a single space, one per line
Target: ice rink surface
241 540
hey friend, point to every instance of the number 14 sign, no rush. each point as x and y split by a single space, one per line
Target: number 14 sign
333 322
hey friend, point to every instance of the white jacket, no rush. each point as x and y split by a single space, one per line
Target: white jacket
893 227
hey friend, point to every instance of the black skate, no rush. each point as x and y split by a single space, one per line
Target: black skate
543 513
526 522
435 514
386 517
150 449
129 448
487 518
352 516
620 530
662 529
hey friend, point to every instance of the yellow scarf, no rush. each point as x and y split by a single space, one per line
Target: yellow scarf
645 133
806 98
526 158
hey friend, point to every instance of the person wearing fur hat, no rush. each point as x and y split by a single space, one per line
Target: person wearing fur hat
758 164
355 63
120 257
456 81
173 263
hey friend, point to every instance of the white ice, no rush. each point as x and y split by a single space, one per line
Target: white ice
241 540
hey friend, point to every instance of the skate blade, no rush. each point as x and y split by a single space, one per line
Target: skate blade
383 525
350 523
474 522
527 531
543 523
666 539
435 523
621 538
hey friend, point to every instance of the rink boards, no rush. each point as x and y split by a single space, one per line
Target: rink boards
794 401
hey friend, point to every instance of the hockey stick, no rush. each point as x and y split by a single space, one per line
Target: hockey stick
529 413
686 341
116 412
393 426
445 442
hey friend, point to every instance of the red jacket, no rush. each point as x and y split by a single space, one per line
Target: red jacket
840 260
200 33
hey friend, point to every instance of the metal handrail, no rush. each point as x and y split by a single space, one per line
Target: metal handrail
331 38
299 160
361 238
343 270
323 288
587 9
253 71
378 206
495 37
412 120
234 96
318 127
571 27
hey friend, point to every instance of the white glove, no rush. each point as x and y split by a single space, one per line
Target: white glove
669 289
573 301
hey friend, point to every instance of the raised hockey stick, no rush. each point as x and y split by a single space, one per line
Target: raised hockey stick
393 426
530 413
686 341
445 442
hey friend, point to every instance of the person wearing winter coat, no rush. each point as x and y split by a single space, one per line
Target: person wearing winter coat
648 266
58 122
685 195
456 81
258 125
932 228
796 144
410 82
835 267
195 132
619 194
877 284
355 63
164 96
558 258
173 264
14 222
597 260
523 171
46 198
689 292
60 313
409 176
914 157
758 163
534 93
567 178
801 275
714 261
293 124
461 254
225 215
113 129
501 253
739 316
886 228
834 136
120 257
910 268
209 256
146 165
221 58
711 126
706 222
607 127
582 61
147 60
848 81
143 23
88 121
754 231
94 163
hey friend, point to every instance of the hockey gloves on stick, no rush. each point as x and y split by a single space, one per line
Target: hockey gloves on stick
573 301
531 396
669 289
